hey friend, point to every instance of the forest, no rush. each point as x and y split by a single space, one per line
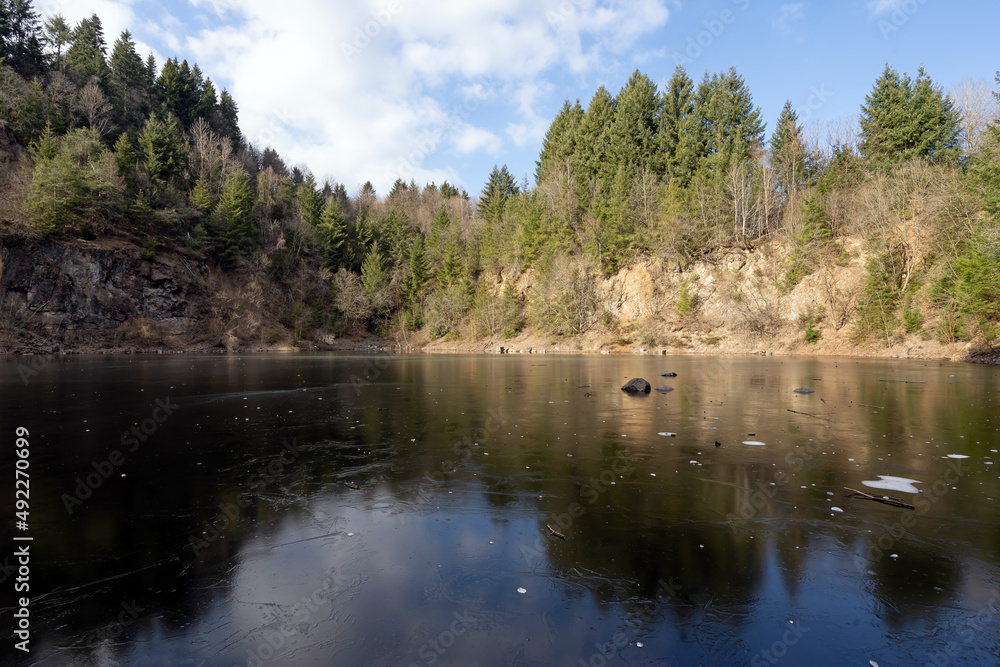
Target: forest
96 142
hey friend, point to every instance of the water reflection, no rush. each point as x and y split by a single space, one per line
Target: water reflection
230 536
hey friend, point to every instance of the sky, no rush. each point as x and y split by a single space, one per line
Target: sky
444 90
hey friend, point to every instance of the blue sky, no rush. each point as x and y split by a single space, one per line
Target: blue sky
380 89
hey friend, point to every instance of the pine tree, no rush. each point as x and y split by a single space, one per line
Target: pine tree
86 57
678 105
208 103
496 192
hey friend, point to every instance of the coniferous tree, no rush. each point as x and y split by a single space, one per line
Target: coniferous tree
163 151
500 188
592 148
86 57
21 37
58 34
332 234
734 125
228 112
417 272
903 118
677 106
632 136
310 202
788 152
559 144
238 232
128 76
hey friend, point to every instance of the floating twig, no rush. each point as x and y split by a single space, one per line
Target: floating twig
351 485
556 533
877 407
906 381
807 414
888 500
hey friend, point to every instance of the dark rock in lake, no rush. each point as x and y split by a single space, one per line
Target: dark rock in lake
664 388
668 374
636 386
803 390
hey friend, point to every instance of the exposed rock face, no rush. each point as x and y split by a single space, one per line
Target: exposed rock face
636 386
81 293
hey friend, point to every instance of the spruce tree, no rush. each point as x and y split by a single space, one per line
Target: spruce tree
559 144
57 35
239 234
500 188
86 57
677 103
594 138
902 119
632 136
788 152
417 272
310 202
332 234
128 75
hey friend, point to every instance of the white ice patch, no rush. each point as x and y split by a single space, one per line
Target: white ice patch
756 443
668 434
522 591
956 456
891 483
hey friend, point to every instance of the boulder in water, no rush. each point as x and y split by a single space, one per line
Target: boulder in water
803 390
664 388
668 374
636 386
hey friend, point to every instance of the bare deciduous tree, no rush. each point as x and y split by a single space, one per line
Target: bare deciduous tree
978 105
94 107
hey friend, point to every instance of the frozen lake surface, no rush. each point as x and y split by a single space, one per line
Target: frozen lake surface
504 510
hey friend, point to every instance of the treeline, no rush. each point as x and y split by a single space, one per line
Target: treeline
115 146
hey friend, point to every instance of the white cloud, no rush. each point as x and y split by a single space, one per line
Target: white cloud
879 7
471 139
789 14
370 90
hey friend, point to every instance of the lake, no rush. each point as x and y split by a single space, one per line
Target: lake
502 510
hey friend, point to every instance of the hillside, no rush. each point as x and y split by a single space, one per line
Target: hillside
135 215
